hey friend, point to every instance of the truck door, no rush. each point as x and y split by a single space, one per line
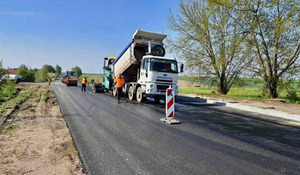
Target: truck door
144 69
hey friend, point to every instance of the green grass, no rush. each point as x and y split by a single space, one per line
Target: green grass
257 83
7 91
45 93
19 99
212 81
244 88
239 93
96 77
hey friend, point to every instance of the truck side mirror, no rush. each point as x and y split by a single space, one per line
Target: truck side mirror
146 72
181 68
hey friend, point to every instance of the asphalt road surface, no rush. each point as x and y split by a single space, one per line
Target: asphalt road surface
129 138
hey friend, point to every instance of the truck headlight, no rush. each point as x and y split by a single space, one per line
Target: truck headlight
151 85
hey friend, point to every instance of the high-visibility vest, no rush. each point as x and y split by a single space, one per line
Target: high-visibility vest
119 82
83 81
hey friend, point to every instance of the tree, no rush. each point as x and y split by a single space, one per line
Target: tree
208 39
57 70
2 70
273 29
77 70
7 88
41 75
23 66
49 68
26 73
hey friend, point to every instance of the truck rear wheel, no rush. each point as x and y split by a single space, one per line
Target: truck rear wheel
139 95
131 93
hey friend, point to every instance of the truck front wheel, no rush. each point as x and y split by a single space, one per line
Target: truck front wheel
131 93
157 99
139 95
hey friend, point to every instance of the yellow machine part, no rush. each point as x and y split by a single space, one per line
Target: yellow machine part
110 58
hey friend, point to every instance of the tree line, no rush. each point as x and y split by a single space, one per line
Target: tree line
38 75
8 88
42 75
228 39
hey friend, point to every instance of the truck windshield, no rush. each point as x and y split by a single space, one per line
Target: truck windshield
163 65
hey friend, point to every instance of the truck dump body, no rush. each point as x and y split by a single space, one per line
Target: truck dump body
129 61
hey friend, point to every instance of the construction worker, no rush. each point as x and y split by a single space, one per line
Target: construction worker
119 83
49 81
93 84
83 83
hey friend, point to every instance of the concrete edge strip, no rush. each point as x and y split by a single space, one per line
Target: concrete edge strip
271 112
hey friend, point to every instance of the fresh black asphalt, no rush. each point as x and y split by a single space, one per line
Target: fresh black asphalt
129 138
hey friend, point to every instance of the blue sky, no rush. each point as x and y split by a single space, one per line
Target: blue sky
74 32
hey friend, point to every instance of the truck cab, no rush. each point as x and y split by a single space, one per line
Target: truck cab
157 74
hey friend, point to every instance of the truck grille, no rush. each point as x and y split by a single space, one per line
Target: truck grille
164 81
162 87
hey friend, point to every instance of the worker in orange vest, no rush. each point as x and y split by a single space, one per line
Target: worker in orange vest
49 81
83 83
119 83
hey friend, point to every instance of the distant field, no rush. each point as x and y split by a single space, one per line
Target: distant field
96 77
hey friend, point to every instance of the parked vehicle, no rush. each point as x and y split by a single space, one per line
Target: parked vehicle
146 71
16 78
70 78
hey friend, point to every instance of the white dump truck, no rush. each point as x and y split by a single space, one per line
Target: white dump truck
146 71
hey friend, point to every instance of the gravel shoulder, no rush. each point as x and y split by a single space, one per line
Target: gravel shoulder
35 139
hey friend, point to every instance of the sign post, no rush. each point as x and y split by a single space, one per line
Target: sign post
170 107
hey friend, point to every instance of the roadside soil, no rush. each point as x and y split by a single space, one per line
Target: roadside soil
36 140
275 104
